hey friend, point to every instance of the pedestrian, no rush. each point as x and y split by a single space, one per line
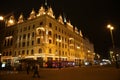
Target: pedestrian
28 68
36 71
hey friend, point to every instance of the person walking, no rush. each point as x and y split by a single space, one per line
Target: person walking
36 71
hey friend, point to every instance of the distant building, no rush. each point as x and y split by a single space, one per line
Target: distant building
43 37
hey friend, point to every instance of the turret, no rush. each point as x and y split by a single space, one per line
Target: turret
20 19
69 26
76 30
41 11
32 15
60 19
11 21
50 12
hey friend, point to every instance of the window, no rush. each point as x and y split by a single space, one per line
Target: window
32 51
23 44
32 34
27 52
38 40
33 26
50 33
50 24
41 23
24 36
40 51
20 37
50 41
28 35
32 42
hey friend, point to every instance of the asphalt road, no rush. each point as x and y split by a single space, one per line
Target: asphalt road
78 73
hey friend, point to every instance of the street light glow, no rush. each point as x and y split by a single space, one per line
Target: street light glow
110 27
1 18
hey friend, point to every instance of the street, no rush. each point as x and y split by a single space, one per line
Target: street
77 73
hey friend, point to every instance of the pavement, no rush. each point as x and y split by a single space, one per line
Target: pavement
76 73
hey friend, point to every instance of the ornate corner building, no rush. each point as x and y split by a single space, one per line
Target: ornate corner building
43 37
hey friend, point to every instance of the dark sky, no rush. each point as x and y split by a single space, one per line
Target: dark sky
91 16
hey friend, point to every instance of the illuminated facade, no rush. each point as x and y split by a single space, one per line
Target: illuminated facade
42 36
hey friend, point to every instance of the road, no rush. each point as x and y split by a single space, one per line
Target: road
77 73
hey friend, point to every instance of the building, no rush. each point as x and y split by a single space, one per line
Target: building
43 37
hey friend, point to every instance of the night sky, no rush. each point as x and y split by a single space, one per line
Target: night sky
91 16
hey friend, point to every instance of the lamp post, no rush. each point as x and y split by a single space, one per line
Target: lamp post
1 34
111 28
111 54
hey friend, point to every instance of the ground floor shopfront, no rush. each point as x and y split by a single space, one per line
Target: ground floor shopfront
43 60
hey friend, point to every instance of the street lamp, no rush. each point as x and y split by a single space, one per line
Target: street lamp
111 28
